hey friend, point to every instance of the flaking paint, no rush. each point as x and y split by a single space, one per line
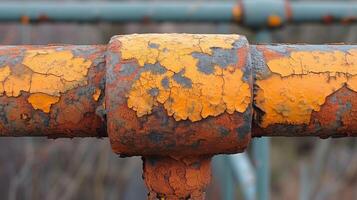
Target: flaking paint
45 74
189 93
174 88
300 83
47 90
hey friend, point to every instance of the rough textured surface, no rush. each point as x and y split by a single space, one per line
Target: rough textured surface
47 90
178 99
190 75
293 84
172 178
178 94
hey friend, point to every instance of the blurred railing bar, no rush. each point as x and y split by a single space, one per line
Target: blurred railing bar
251 13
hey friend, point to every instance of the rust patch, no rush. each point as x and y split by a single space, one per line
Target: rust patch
165 91
343 105
177 178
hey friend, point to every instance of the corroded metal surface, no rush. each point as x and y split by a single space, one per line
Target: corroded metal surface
178 94
48 90
178 99
177 178
305 90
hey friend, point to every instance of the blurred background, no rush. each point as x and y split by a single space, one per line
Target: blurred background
71 169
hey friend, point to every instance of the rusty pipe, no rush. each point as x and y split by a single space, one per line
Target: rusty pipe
178 99
52 91
305 90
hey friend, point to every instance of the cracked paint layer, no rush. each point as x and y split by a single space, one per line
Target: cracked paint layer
45 74
164 91
299 81
197 81
47 90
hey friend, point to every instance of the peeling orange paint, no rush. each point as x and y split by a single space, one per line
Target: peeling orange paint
58 63
164 91
4 72
301 82
46 90
44 71
48 84
305 62
42 101
17 82
202 95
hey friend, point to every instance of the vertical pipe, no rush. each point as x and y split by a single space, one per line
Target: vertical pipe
223 174
261 154
304 187
261 146
244 173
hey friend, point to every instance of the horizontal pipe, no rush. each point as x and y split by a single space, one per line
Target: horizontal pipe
117 11
305 90
343 12
251 13
142 87
275 13
178 99
53 91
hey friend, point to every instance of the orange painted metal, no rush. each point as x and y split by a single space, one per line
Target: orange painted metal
163 110
48 91
305 90
178 99
177 178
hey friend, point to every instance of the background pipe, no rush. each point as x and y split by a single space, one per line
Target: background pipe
250 13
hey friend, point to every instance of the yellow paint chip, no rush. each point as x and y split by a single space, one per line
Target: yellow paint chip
42 101
96 94
193 95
